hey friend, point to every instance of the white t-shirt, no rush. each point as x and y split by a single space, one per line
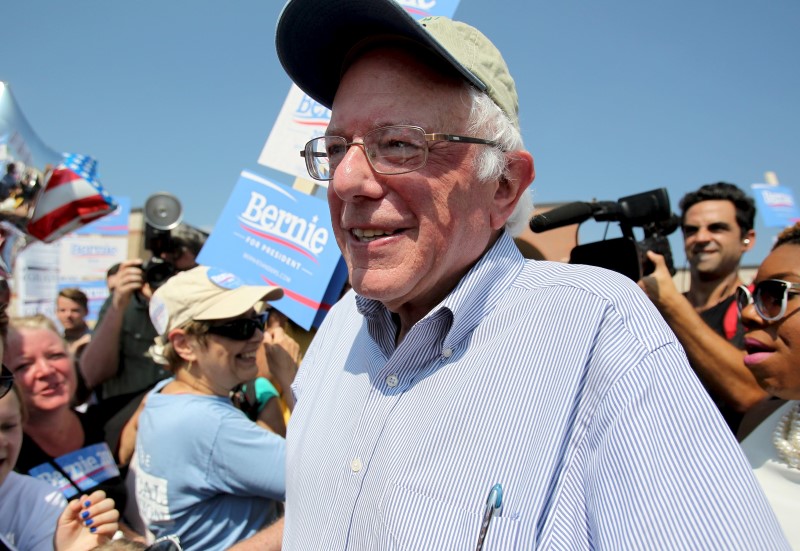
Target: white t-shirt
781 484
29 510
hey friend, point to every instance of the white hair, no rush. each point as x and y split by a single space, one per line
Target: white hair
487 120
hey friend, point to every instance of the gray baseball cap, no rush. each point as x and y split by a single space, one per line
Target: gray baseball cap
314 39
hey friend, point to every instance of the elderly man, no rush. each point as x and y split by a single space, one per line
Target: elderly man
455 367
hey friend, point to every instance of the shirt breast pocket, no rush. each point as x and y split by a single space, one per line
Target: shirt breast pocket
410 520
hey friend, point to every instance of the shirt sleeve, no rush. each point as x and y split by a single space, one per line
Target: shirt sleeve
648 484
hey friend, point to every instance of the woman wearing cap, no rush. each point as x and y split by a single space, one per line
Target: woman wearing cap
204 472
771 316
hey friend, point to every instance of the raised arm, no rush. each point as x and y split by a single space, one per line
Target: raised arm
100 359
718 363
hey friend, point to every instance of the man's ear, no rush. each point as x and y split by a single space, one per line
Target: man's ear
183 345
519 175
748 240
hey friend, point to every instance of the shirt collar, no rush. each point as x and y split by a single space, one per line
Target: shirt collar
475 295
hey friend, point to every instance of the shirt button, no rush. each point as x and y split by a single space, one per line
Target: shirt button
355 465
392 380
447 352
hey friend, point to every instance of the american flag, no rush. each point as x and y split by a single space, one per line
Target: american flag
71 197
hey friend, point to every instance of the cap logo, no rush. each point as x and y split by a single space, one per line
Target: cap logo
224 279
421 4
158 314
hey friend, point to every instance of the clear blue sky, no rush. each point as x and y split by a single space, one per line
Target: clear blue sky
616 97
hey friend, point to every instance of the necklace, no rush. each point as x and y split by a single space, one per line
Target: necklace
198 386
787 437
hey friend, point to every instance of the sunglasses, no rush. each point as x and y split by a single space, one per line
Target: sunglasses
769 296
240 329
6 381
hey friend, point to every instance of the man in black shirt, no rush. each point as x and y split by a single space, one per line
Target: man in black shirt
717 222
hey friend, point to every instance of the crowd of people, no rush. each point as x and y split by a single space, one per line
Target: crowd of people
67 436
594 412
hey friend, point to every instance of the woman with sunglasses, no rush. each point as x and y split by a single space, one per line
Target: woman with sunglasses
771 316
204 471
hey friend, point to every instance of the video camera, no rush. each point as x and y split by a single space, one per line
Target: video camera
649 210
162 213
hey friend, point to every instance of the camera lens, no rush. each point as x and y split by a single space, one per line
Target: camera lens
157 271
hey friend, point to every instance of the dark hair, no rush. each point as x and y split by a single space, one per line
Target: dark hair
789 236
113 270
188 237
723 191
76 295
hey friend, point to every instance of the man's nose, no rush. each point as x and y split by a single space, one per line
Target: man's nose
703 235
354 176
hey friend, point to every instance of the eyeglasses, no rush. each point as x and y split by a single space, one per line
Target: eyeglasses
240 329
770 297
6 380
390 150
166 543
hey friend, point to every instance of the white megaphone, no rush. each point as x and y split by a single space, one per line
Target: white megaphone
162 211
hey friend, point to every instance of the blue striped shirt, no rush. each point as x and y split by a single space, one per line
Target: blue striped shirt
560 382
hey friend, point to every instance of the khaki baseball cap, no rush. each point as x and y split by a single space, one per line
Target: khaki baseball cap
204 294
314 39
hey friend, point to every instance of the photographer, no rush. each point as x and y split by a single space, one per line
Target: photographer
717 223
117 362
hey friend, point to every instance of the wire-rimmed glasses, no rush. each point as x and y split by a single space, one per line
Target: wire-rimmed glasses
390 150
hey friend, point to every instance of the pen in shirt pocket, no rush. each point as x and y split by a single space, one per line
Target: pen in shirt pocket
494 505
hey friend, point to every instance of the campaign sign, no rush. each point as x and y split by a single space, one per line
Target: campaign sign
271 234
425 8
88 257
301 119
86 468
776 205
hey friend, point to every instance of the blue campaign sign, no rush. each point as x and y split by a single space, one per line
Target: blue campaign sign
424 8
776 204
86 468
271 234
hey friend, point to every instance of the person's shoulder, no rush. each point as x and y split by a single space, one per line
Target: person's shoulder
583 289
592 279
26 490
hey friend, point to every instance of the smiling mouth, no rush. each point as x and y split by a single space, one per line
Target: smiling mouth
53 389
366 236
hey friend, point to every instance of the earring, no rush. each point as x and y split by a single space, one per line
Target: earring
746 241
